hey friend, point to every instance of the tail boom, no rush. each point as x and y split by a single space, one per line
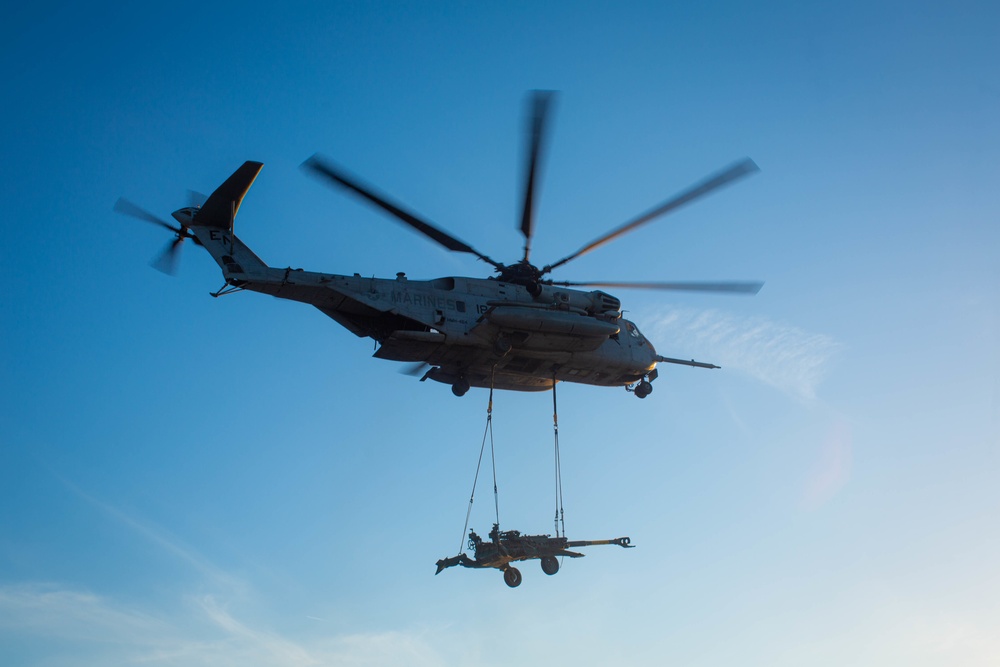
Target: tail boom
212 225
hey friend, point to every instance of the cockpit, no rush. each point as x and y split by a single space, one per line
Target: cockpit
634 332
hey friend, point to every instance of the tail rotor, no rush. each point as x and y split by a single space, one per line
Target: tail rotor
166 261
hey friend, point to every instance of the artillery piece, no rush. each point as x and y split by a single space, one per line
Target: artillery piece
506 547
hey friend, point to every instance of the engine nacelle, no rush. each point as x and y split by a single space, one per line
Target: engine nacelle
594 303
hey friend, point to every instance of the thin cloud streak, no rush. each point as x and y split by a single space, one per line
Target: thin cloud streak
58 612
205 631
169 544
783 356
261 643
89 629
833 470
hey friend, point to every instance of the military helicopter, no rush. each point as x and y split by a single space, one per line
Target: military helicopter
516 330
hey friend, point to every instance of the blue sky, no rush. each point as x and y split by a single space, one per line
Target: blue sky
196 481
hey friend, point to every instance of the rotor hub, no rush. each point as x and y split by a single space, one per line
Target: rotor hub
520 273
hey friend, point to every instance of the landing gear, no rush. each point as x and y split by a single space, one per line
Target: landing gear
550 565
460 387
643 389
512 577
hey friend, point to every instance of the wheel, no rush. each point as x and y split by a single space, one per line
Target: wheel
460 387
550 564
643 389
512 577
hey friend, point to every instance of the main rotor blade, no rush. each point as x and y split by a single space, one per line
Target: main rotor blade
540 102
125 207
415 369
166 261
737 287
728 175
323 168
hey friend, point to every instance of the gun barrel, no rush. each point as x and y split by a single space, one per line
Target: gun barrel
620 541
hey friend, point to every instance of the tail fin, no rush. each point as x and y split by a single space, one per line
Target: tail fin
213 225
220 209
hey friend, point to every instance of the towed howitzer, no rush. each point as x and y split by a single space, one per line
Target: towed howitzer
509 546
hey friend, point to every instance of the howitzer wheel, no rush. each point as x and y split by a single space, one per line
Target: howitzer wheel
550 565
512 577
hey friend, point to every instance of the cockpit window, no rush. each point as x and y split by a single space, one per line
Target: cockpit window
633 331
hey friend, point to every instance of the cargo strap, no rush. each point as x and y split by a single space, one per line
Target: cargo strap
560 519
479 464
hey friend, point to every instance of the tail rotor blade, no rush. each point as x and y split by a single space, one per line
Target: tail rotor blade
125 207
166 261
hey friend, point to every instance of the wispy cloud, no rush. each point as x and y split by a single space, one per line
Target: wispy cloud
67 624
260 643
781 355
67 614
162 539
81 628
833 468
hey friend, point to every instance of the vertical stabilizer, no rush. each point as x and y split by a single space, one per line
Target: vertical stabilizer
212 225
220 209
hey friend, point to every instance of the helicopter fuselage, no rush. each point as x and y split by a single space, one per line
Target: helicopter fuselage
470 331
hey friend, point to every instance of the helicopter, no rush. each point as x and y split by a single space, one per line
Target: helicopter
516 330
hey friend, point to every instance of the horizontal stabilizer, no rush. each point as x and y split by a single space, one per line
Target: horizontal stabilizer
221 207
